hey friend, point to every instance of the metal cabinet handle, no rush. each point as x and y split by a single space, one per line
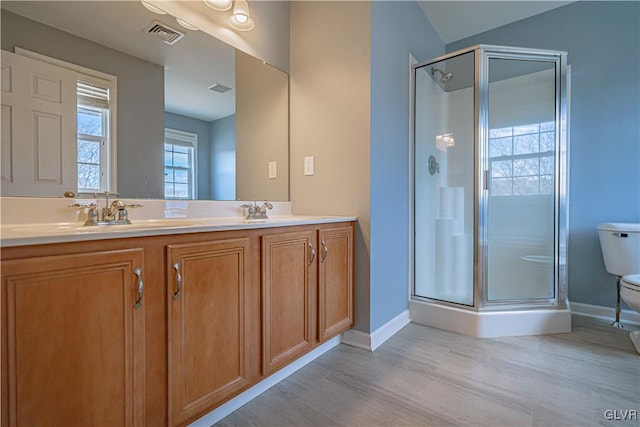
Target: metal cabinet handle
313 254
176 294
325 251
138 273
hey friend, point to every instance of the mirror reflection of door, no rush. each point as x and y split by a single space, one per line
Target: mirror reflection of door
38 128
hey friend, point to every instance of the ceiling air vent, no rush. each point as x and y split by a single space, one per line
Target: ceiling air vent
163 32
220 88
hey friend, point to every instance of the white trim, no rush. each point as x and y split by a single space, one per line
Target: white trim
104 79
357 339
64 64
411 168
608 314
378 337
264 385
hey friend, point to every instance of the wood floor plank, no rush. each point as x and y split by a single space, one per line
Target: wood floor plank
428 377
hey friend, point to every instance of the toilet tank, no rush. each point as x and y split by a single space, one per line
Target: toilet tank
620 243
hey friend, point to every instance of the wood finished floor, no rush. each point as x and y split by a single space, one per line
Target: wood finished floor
428 377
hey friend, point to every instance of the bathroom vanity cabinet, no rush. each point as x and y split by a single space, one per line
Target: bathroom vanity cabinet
73 339
160 330
209 309
335 281
288 277
307 291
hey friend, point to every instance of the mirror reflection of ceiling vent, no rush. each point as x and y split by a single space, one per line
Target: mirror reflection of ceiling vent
220 88
164 32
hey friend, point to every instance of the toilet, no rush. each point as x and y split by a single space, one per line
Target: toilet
620 243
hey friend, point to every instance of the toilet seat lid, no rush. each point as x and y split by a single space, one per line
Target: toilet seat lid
632 279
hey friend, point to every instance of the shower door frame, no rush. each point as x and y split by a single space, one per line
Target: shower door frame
482 54
412 100
559 59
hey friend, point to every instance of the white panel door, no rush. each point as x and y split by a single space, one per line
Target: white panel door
39 139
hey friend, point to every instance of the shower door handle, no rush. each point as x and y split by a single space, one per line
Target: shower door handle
486 179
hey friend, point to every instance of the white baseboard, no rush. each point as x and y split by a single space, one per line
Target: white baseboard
605 313
232 405
376 338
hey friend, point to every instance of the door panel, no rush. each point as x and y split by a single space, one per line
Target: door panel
286 298
74 341
335 284
208 340
38 128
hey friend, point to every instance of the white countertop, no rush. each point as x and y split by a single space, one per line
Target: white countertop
36 234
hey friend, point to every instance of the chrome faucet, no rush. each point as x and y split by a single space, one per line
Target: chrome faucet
117 207
111 214
257 212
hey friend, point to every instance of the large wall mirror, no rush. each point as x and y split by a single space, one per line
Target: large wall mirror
171 95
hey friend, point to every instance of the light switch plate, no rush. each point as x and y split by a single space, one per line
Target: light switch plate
273 170
308 165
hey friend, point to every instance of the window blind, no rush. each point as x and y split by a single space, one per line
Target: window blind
92 94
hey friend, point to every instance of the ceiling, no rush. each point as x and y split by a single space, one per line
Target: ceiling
194 63
454 20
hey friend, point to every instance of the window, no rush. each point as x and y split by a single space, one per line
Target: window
93 137
521 160
179 164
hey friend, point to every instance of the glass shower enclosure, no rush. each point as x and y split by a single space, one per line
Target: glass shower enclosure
490 179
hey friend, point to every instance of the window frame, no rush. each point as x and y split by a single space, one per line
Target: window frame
185 139
103 140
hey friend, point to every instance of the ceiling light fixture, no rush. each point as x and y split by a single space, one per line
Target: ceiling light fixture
219 5
240 19
153 8
187 25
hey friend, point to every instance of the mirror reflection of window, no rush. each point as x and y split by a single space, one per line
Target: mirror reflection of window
179 164
93 128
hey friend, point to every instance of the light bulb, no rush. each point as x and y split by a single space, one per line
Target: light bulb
240 19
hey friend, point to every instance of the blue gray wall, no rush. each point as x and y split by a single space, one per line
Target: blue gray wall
398 29
216 154
203 152
602 39
223 158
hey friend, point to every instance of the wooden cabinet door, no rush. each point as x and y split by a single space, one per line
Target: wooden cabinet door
208 340
335 282
287 265
73 340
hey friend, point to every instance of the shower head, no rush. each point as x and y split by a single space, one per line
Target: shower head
445 76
